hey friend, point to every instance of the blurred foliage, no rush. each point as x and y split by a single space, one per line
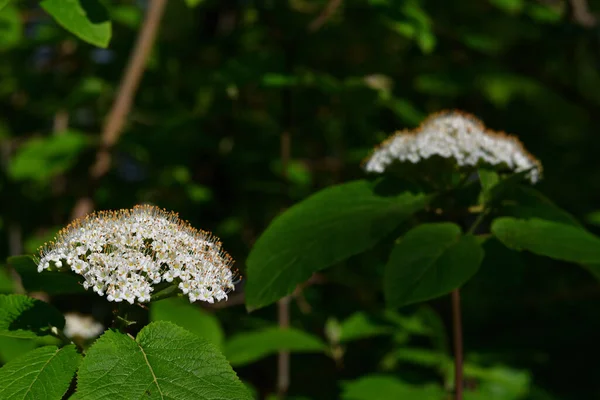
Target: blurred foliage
226 79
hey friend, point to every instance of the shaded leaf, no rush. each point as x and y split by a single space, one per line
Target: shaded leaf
87 19
43 373
245 348
188 316
383 387
51 282
24 317
527 202
429 261
548 238
328 227
164 361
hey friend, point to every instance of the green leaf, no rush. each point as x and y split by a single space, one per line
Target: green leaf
24 317
383 387
11 348
326 228
548 238
6 283
51 282
164 361
429 261
245 348
488 179
3 3
43 373
360 326
11 27
42 158
190 317
193 3
509 6
87 19
527 202
593 218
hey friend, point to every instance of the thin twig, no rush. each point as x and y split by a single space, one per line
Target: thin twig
283 305
582 14
458 345
283 358
325 15
115 121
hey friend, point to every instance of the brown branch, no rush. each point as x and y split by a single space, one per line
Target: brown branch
115 120
582 14
458 345
325 15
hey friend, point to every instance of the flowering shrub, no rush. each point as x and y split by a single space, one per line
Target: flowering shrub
124 253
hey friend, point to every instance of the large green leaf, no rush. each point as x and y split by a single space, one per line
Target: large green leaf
24 317
51 282
163 362
87 19
383 387
245 348
326 228
3 3
557 240
188 316
43 373
429 261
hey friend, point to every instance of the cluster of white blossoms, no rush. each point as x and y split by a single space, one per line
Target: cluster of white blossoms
83 326
458 136
122 254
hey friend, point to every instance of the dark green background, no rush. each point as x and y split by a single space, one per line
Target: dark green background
226 78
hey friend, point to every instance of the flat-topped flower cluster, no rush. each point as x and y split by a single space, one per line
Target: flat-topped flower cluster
457 136
122 254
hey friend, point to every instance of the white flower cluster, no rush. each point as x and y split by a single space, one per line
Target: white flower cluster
83 326
458 136
122 254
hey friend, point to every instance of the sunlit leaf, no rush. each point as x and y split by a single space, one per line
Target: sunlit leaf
164 361
87 19
44 373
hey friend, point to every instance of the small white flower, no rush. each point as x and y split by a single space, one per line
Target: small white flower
121 254
457 136
83 326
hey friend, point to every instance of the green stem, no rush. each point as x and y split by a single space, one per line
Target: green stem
478 221
59 334
170 291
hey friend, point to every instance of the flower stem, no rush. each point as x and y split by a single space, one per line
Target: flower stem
458 345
